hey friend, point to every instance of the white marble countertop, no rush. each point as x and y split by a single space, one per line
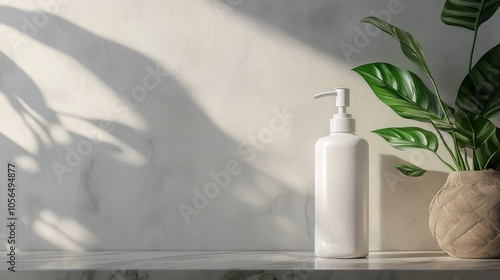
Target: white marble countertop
238 260
241 265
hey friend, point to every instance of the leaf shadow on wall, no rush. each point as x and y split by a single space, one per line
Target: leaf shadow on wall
335 29
120 185
315 23
404 204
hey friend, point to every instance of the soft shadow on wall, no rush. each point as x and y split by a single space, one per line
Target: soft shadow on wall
405 204
107 201
334 28
322 25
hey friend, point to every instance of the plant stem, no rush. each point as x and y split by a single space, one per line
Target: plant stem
472 49
474 161
439 99
476 27
443 161
458 153
458 164
446 146
471 57
466 161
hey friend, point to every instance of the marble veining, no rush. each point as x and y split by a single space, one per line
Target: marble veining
241 260
247 265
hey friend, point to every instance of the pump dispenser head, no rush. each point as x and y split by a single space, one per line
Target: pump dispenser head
341 122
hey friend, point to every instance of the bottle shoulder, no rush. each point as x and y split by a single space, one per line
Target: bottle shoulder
341 136
341 139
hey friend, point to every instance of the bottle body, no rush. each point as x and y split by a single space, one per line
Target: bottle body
341 196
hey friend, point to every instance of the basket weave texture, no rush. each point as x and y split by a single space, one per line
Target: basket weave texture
464 216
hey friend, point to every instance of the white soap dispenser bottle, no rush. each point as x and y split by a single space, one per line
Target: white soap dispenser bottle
341 187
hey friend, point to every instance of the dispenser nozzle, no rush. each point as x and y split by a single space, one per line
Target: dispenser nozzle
341 122
341 98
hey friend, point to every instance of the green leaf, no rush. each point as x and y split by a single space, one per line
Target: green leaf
404 92
410 170
488 153
472 130
480 90
409 45
468 14
404 138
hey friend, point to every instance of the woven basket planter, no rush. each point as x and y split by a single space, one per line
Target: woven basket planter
464 216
